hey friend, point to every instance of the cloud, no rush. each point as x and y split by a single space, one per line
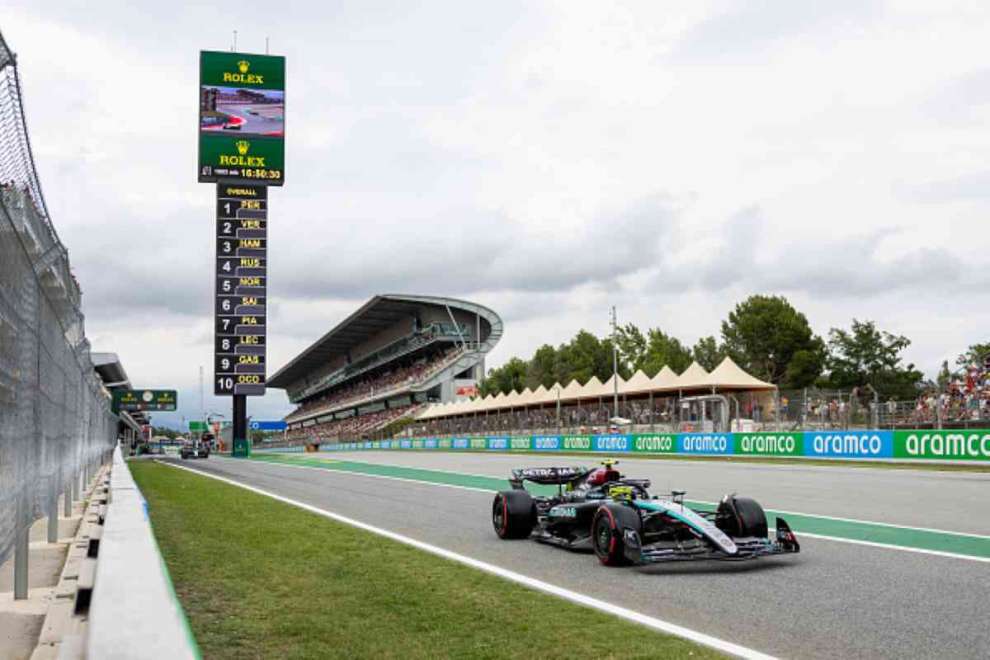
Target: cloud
824 266
974 186
547 160
751 28
470 252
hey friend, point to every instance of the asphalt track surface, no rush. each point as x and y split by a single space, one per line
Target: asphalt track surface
834 599
253 124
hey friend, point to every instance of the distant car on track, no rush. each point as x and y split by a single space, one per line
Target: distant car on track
624 524
195 449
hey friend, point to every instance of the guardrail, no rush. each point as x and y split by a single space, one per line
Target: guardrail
951 445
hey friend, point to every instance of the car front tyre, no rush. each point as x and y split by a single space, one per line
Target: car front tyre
607 530
513 514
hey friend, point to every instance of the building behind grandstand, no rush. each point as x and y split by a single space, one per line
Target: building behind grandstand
381 366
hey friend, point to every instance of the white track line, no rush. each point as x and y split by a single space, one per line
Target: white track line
824 537
793 513
903 548
573 596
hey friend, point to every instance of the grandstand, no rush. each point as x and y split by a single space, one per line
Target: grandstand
382 365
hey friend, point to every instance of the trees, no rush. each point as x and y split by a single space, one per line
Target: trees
649 352
770 339
865 355
765 335
542 368
664 350
579 359
975 354
583 357
510 376
632 346
708 353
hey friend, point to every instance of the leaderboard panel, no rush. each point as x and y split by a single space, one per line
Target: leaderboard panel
241 286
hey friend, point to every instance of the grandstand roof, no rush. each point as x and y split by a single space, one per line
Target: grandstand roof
376 315
110 370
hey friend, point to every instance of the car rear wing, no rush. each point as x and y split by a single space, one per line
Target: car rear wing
548 476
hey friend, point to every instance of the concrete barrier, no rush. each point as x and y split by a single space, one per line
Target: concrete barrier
133 611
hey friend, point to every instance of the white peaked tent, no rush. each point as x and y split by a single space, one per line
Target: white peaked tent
511 399
607 388
693 377
729 375
665 380
571 392
637 383
592 389
464 406
726 376
525 397
542 395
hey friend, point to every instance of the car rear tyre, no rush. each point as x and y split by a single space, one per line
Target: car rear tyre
741 517
608 533
513 514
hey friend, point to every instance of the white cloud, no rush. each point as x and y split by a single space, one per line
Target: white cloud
546 159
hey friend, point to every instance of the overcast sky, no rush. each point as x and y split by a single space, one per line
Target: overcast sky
545 159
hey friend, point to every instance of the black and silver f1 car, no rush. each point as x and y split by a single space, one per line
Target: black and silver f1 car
619 519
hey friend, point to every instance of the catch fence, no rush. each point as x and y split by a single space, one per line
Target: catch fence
56 425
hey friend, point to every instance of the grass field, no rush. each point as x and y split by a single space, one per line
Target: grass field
262 579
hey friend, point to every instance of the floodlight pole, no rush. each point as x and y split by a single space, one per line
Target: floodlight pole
615 366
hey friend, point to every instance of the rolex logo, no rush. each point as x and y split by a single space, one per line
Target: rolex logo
242 159
242 75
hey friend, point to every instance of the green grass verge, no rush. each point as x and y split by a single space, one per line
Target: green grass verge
262 579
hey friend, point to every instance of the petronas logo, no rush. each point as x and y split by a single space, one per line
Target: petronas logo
243 146
243 66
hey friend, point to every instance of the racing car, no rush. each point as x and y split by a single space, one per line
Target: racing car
624 524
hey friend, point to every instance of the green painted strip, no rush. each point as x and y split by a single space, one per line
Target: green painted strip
917 539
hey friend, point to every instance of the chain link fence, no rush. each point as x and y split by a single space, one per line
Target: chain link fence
787 410
55 419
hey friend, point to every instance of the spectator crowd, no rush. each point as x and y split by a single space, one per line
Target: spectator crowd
365 387
355 427
965 397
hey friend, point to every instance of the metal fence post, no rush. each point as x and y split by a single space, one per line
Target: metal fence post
67 498
21 549
53 512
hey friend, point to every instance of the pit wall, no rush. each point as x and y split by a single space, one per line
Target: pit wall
947 445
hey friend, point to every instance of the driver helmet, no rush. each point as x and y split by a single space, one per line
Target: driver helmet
602 475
